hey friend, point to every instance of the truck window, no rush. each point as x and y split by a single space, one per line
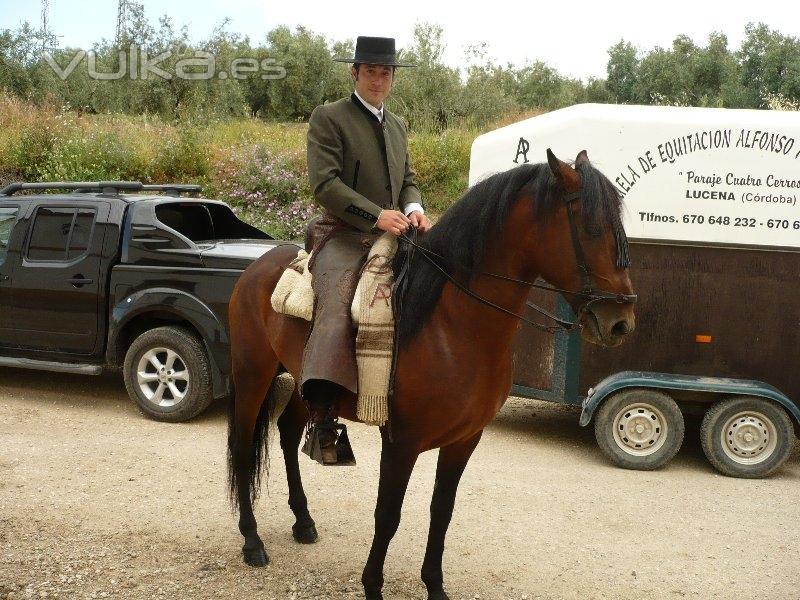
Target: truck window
8 218
206 222
192 220
60 234
81 233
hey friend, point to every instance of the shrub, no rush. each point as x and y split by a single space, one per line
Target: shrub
31 150
181 157
442 165
268 190
96 155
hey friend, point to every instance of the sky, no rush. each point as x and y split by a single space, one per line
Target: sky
573 37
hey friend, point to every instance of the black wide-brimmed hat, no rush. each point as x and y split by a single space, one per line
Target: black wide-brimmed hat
374 51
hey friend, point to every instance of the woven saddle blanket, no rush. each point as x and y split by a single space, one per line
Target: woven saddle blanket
371 312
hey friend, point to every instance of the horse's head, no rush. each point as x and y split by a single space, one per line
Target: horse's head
581 247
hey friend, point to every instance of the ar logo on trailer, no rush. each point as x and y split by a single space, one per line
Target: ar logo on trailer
522 148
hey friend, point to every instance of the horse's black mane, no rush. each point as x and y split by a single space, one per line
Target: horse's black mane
461 234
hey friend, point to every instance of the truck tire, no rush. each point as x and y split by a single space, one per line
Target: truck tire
746 437
167 374
639 428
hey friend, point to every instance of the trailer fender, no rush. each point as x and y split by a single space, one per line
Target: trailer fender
668 381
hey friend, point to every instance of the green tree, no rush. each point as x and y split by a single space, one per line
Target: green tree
18 50
770 65
622 72
338 82
665 76
597 91
484 97
309 70
686 74
539 85
714 67
427 96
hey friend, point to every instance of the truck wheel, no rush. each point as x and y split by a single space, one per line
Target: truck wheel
746 437
639 429
167 374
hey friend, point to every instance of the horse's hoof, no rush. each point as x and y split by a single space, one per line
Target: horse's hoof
255 557
378 596
438 596
305 534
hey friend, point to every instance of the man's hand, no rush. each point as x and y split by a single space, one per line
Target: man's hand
420 221
393 221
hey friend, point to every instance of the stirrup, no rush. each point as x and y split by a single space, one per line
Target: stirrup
340 455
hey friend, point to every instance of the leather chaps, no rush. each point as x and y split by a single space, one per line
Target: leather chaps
339 253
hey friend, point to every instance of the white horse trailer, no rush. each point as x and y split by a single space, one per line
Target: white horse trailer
711 212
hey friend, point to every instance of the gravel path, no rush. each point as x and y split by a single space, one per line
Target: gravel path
98 502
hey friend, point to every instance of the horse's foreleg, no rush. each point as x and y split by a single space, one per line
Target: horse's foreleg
290 425
452 462
397 463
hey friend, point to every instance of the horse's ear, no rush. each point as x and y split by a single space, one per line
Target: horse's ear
582 158
555 164
564 174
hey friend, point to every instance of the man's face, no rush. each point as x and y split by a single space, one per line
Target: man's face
373 82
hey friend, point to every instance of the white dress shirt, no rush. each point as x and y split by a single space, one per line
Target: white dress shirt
378 112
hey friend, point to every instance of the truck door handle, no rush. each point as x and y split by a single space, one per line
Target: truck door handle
79 280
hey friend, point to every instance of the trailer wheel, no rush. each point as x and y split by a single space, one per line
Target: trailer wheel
639 429
167 374
746 437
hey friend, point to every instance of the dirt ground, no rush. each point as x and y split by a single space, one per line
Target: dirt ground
98 502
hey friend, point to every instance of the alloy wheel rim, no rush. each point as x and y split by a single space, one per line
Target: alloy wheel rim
163 377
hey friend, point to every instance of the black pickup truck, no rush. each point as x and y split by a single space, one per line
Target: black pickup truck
121 275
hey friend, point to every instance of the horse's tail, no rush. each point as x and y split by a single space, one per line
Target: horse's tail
248 452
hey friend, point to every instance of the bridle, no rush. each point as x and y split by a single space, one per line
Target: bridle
587 293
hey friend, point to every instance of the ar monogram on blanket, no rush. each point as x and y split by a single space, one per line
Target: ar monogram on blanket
371 312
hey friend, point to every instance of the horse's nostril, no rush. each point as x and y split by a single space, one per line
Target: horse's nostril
621 328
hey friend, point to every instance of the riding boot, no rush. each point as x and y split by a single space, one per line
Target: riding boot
323 425
327 441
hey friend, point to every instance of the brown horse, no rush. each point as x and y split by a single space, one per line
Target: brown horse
454 368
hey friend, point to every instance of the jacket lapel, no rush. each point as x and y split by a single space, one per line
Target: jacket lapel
395 156
390 142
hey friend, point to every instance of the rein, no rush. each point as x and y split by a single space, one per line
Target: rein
587 292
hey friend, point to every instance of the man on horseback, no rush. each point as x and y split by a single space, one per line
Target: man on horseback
360 173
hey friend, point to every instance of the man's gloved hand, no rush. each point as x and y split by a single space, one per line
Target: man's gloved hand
420 221
393 221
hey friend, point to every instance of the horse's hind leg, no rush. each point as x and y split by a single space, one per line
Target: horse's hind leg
452 462
290 425
247 436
